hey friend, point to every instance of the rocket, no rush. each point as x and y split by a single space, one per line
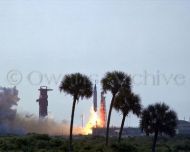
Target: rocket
95 98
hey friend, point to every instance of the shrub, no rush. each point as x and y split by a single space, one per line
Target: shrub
121 147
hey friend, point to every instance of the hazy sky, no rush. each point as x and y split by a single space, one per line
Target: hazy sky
44 39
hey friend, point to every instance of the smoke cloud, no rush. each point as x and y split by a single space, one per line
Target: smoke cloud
13 123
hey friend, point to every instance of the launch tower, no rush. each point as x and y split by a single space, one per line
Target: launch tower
43 101
103 114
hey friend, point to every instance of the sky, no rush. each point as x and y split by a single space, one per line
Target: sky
42 40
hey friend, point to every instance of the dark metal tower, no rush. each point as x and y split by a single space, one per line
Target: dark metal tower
43 101
103 114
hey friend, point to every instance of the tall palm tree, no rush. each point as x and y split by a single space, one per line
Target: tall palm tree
158 119
113 82
126 101
78 86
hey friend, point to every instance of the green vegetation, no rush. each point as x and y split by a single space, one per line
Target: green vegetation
158 119
114 82
44 143
126 101
78 86
155 119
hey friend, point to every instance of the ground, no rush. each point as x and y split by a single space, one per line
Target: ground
45 143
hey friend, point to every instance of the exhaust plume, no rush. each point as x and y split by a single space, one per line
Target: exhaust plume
20 124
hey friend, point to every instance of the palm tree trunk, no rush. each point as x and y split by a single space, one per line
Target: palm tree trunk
109 116
121 128
154 142
71 125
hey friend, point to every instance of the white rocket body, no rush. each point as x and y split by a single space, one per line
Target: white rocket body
95 98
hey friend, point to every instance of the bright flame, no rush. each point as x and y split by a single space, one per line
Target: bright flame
94 121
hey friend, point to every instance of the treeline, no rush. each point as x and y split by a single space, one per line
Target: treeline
44 143
157 119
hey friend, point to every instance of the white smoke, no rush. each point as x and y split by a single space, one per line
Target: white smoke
8 99
44 126
13 123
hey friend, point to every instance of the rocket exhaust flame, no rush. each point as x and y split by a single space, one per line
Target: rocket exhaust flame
93 122
96 120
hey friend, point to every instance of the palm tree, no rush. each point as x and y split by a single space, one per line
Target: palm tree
158 119
113 82
126 101
77 85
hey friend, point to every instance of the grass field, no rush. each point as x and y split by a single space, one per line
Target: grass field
45 143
